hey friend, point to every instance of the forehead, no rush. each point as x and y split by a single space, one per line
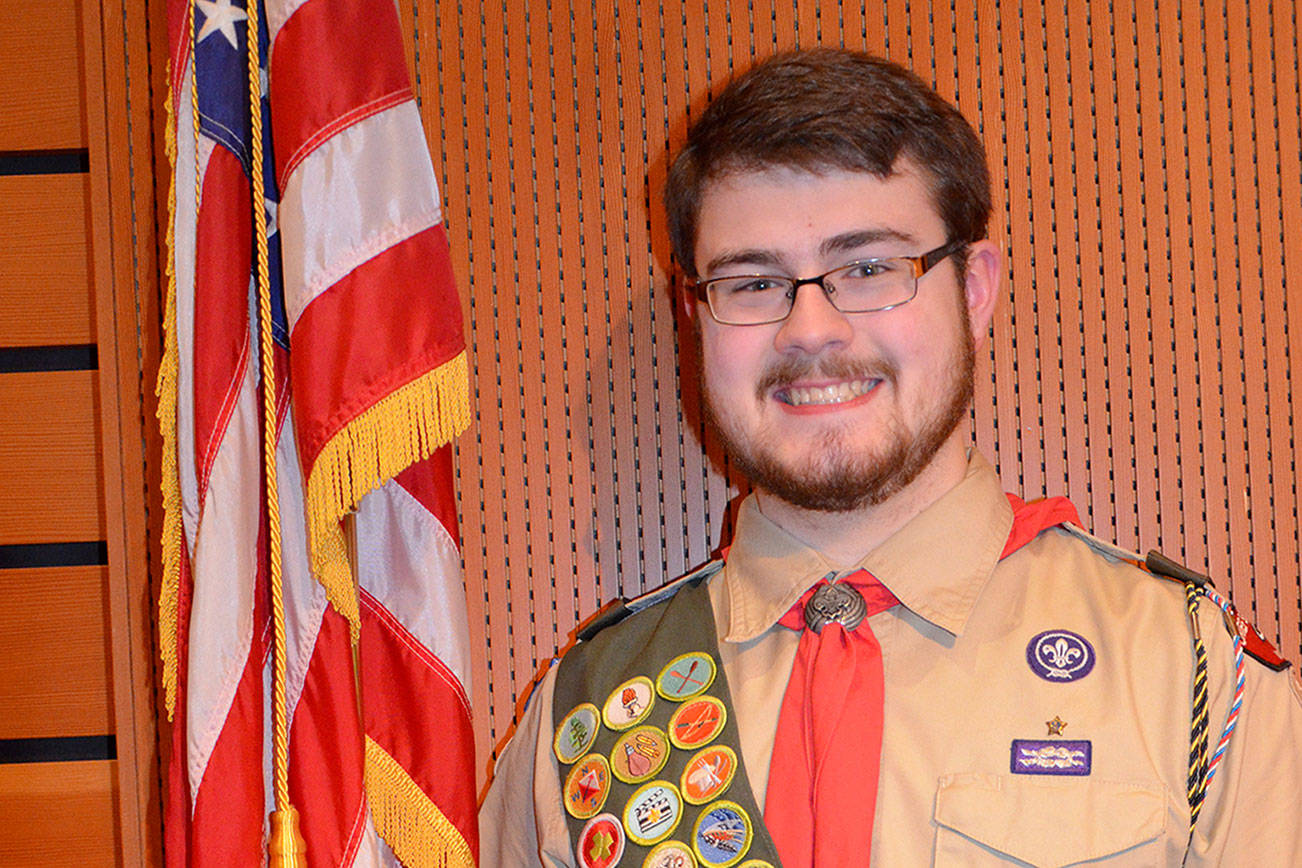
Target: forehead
795 215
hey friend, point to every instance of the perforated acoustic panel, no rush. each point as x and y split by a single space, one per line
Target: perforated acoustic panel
1146 165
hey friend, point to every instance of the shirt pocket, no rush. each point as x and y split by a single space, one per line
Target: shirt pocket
996 819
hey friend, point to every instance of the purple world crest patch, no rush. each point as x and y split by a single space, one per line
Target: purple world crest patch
1032 757
1060 655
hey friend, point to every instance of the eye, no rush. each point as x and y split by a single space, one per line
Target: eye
866 269
750 285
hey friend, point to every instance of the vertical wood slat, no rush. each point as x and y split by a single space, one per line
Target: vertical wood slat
122 89
1142 362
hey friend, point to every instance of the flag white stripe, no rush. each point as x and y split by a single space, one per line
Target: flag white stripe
408 562
225 569
360 193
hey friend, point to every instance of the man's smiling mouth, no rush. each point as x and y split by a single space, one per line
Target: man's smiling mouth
837 393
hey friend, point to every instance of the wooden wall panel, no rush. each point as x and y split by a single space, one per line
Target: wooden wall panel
50 490
58 814
54 653
41 76
1145 165
45 294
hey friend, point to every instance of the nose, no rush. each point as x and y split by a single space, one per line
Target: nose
814 324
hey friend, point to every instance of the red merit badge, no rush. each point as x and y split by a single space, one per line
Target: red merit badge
587 786
708 774
601 843
639 754
697 722
1255 644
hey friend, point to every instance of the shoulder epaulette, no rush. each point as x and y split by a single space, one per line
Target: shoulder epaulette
1154 562
619 609
1255 644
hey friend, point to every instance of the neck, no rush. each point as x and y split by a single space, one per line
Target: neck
845 538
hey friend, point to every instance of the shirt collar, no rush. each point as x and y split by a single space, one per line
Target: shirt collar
936 565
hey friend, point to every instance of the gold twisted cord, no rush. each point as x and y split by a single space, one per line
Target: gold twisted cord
285 845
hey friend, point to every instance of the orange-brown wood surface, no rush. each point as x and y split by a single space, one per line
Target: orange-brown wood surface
58 814
41 76
122 120
50 489
1144 362
45 293
54 660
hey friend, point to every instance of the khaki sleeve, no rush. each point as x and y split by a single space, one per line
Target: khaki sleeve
521 822
1253 803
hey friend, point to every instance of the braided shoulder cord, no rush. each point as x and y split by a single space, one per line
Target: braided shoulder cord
1237 702
1197 789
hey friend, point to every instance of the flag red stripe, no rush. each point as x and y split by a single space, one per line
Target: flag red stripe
409 691
359 340
326 763
311 100
221 303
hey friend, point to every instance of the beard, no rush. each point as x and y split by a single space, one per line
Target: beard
842 475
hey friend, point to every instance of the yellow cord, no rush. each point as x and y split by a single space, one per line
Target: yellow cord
285 847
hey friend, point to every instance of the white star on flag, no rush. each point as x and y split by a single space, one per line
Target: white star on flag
219 16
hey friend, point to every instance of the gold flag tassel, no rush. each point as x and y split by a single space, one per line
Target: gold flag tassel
286 846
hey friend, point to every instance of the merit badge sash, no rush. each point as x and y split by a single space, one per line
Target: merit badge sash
646 738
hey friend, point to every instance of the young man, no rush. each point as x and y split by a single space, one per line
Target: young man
896 664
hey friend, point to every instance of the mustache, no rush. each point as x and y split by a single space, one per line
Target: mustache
786 371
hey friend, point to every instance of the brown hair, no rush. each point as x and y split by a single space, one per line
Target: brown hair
830 109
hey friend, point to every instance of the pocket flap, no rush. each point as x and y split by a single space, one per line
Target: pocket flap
1051 822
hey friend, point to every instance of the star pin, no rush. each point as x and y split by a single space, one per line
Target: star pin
1056 726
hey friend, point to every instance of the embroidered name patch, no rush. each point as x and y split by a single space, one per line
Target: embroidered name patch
1034 757
1060 655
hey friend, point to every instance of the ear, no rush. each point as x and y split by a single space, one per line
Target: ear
981 286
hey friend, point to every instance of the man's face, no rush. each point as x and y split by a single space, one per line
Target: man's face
826 410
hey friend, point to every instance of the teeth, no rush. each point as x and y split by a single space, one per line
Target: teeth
837 394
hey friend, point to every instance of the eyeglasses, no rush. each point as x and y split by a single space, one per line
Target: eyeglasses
861 287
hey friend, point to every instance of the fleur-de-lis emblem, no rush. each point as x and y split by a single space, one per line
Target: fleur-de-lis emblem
1060 655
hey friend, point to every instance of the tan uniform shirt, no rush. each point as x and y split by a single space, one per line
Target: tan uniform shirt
960 690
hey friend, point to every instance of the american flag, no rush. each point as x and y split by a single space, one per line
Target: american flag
371 382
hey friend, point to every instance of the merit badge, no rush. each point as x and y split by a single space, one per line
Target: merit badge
629 704
587 786
708 774
1060 655
601 843
653 813
576 732
670 854
685 676
1032 757
697 722
639 754
722 835
755 863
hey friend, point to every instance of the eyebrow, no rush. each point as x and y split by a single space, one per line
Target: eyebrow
836 244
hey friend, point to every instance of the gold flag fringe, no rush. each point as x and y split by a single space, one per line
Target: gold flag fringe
403 427
165 390
410 823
